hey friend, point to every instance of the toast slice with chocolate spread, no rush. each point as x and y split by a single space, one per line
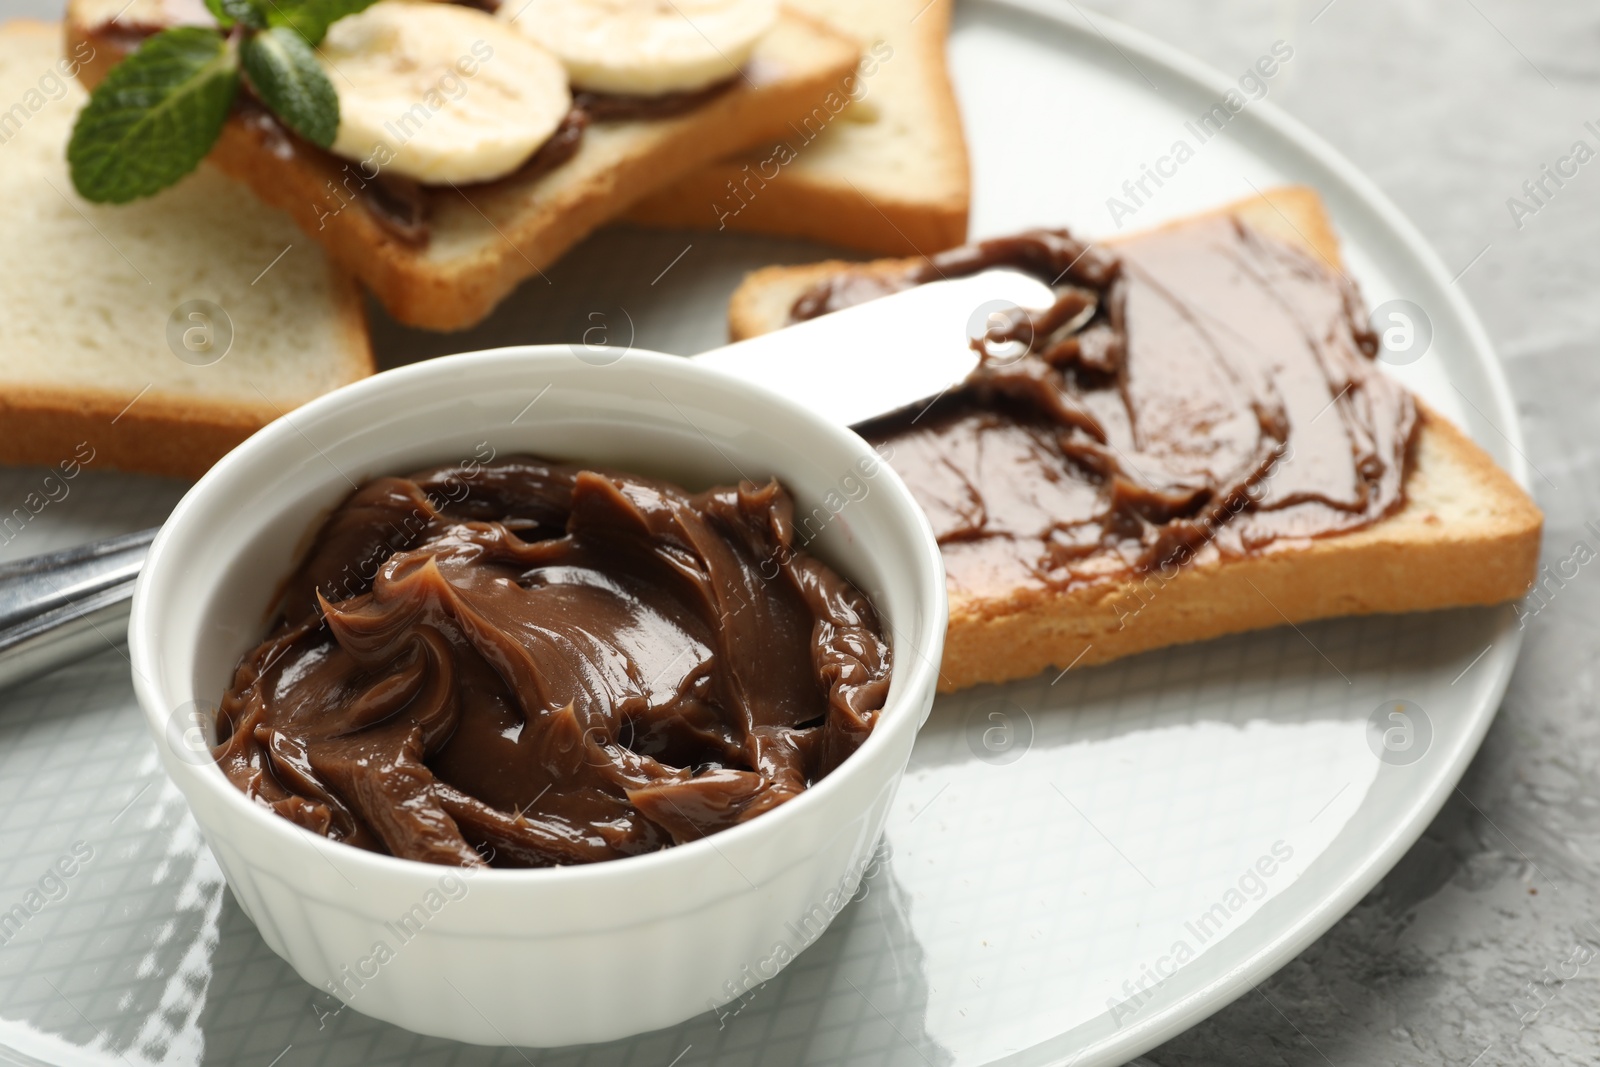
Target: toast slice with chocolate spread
1463 533
881 168
442 257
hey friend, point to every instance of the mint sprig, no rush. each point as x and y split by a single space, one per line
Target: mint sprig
230 13
311 18
283 71
159 111
154 117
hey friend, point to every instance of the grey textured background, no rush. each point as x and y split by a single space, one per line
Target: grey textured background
1450 105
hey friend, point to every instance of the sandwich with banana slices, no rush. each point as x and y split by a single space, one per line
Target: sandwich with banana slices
443 152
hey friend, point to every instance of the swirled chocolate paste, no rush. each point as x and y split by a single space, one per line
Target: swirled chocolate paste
1209 388
542 664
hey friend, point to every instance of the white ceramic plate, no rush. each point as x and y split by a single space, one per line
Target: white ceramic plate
1027 884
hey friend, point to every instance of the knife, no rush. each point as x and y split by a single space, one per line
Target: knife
890 353
852 365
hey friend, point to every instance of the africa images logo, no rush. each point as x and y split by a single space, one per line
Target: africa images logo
1206 926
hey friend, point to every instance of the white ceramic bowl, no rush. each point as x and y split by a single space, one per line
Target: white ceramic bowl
554 956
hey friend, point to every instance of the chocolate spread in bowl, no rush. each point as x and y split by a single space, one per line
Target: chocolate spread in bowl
1222 395
552 665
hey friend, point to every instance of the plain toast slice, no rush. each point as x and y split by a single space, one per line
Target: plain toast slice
1468 534
95 317
886 174
487 239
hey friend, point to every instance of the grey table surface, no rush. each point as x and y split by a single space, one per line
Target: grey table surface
1482 947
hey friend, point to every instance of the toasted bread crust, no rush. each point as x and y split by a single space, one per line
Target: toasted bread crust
1467 534
154 433
153 436
830 207
796 205
497 236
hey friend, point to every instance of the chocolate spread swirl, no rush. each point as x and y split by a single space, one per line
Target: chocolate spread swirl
1209 389
532 664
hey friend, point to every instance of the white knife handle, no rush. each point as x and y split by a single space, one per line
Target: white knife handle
886 354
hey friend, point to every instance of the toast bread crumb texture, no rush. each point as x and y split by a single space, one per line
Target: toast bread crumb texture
487 239
887 175
84 345
1467 534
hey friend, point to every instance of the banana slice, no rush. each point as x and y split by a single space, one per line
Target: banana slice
645 47
441 93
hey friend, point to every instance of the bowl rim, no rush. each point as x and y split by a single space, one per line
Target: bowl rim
910 675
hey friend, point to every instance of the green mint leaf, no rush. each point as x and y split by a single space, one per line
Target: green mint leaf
283 71
219 11
154 117
229 13
311 18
